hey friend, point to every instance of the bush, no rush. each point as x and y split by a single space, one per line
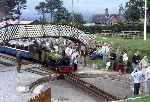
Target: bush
114 28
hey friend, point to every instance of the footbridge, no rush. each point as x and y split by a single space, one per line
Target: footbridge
13 32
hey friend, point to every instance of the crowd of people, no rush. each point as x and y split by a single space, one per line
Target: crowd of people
117 60
112 58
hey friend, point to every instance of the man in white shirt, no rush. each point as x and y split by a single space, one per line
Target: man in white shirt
105 50
138 77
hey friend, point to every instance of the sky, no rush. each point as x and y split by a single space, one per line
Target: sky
86 7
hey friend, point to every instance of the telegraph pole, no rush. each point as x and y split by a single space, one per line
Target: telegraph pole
145 20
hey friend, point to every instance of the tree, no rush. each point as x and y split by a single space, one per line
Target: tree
59 14
62 16
13 7
49 6
42 8
52 6
78 19
134 10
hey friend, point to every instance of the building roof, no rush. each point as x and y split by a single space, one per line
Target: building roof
102 19
9 22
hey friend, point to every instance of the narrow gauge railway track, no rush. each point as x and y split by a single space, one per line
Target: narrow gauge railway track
73 78
7 57
38 70
91 88
114 77
43 71
39 82
7 60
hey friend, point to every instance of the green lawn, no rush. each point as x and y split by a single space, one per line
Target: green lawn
127 43
143 99
130 45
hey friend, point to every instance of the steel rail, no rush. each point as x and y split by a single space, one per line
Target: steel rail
73 78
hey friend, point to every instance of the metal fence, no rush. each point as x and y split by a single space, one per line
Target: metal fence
123 34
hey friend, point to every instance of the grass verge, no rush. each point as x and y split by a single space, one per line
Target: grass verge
142 99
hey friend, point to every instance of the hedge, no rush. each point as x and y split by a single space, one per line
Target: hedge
114 28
